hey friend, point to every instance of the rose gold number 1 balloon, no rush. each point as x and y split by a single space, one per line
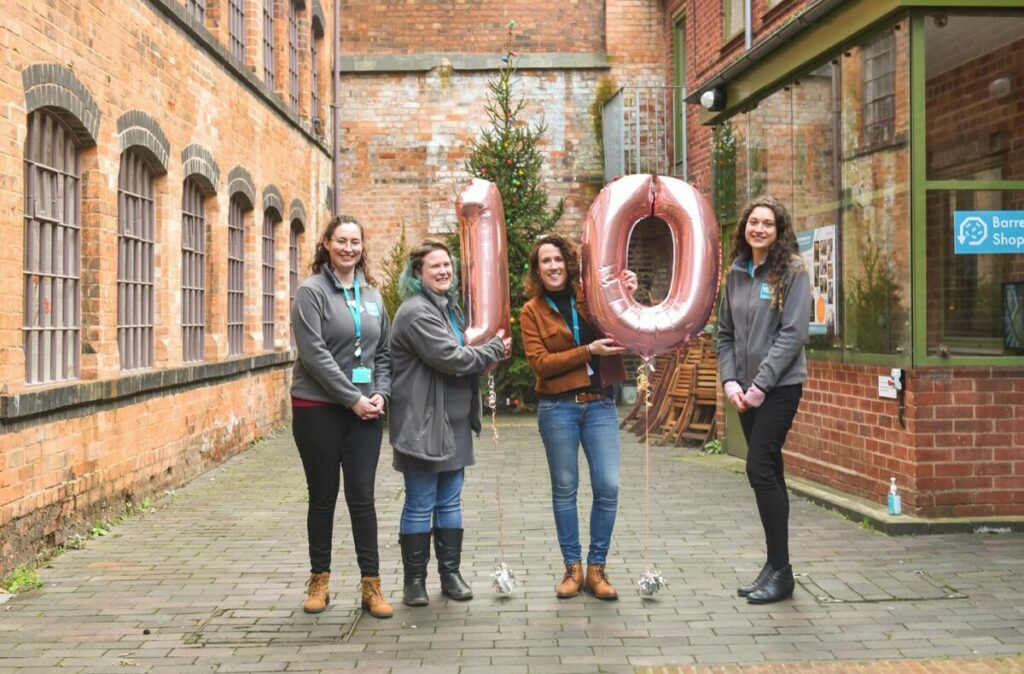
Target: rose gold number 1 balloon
696 262
484 261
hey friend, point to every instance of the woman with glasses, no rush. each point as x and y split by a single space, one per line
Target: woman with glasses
576 368
435 411
762 328
340 385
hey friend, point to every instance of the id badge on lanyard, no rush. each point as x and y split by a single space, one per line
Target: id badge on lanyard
575 327
360 373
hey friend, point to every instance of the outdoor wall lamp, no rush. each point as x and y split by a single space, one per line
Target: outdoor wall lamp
713 99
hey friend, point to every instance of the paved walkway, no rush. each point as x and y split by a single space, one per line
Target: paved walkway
212 581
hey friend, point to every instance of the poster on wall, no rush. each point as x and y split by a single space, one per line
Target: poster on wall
818 248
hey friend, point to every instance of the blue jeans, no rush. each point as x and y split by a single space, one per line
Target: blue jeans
565 424
433 497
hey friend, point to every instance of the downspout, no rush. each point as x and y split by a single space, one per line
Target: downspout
335 105
748 30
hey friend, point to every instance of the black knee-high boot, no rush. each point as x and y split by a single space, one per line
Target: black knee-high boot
415 556
448 549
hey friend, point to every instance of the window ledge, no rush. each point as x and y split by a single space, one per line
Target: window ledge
66 397
899 140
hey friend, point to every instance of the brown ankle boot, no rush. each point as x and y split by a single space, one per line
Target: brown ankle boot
598 584
318 592
571 581
373 598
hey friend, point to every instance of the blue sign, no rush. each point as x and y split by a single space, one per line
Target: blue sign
986 232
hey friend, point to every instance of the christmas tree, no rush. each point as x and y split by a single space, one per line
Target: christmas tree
506 154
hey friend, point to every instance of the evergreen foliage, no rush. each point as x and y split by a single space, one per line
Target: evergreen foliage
506 154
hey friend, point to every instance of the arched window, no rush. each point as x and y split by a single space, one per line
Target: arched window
270 219
52 268
136 215
193 271
293 266
236 275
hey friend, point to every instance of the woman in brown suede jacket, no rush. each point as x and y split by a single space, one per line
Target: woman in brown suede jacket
576 368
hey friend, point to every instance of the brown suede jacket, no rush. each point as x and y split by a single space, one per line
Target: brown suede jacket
561 365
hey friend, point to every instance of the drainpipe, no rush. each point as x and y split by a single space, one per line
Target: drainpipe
335 105
748 30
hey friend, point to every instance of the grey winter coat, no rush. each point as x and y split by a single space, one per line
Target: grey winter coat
758 344
426 359
325 337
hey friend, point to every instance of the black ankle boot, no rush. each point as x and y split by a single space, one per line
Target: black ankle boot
448 549
745 590
776 587
415 555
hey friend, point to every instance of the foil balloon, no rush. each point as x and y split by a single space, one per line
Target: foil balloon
695 261
484 261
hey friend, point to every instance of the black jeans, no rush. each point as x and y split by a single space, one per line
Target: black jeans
765 429
333 439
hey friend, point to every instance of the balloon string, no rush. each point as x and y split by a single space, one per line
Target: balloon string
492 402
643 386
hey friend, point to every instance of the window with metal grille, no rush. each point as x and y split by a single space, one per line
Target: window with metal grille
196 9
268 43
293 267
236 28
52 269
293 56
879 90
193 272
136 238
270 220
236 276
314 61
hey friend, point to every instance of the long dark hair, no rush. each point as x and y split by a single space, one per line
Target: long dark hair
780 253
322 256
534 286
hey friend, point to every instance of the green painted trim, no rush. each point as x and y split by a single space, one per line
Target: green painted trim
918 204
902 359
803 51
993 185
970 361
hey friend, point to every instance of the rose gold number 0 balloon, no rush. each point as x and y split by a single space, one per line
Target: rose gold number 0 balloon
484 261
696 262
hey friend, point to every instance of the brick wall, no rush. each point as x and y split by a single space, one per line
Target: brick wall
81 454
959 455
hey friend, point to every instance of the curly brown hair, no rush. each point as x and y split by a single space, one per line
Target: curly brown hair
322 256
780 253
534 287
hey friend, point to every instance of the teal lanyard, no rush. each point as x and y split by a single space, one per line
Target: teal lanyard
353 308
575 316
455 326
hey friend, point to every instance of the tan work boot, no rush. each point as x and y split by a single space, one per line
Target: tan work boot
571 581
373 598
318 592
598 584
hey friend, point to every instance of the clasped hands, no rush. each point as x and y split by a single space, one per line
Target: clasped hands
369 408
742 401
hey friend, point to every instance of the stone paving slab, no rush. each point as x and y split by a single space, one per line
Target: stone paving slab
212 581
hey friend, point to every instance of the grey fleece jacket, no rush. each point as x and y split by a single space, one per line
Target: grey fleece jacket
325 337
426 357
758 344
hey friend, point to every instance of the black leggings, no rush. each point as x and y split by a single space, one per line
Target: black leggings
765 429
333 439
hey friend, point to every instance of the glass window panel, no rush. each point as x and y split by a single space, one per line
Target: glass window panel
973 94
875 225
733 17
966 310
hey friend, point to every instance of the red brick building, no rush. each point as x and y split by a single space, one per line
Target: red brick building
882 124
166 166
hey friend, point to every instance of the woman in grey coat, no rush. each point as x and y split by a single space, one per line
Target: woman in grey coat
762 328
435 409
